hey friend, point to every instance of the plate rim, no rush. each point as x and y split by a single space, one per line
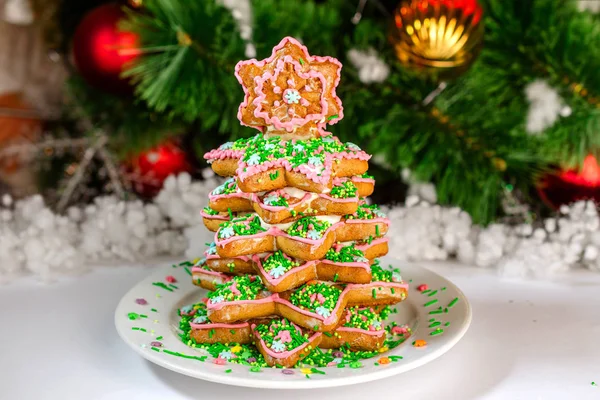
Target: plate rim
327 381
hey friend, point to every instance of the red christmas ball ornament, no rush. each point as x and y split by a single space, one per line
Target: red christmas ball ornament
571 185
101 50
149 170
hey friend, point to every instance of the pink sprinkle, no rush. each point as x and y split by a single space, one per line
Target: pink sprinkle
422 287
290 82
308 88
276 89
304 102
276 103
290 111
156 344
141 302
372 328
284 336
204 300
171 279
220 361
332 364
311 226
399 330
234 289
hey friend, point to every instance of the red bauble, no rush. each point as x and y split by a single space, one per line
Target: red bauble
150 169
100 50
571 185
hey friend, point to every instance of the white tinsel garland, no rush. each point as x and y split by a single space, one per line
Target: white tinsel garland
545 106
35 240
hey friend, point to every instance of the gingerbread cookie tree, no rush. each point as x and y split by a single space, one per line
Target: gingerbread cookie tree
294 262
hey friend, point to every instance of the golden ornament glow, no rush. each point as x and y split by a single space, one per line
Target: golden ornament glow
437 35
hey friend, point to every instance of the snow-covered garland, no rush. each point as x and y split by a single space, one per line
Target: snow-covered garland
34 240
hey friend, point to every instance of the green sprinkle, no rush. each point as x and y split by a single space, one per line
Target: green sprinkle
376 229
162 285
436 312
143 330
430 303
155 349
173 286
376 364
159 338
444 288
135 329
447 323
327 334
230 213
307 376
434 324
133 316
341 365
143 316
374 294
301 61
153 310
332 117
274 175
425 291
255 368
438 331
432 319
453 302
211 333
335 277
317 371
175 353
232 331
227 371
188 271
432 293
594 384
392 290
355 364
395 358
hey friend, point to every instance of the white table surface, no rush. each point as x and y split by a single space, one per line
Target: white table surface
528 340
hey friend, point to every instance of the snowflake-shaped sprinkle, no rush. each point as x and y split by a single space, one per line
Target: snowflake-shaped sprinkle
277 346
270 199
226 232
200 262
338 360
226 146
187 310
298 147
212 249
314 160
218 190
379 213
291 96
253 160
323 311
352 146
226 355
217 299
277 271
396 277
376 325
313 234
360 259
328 139
200 319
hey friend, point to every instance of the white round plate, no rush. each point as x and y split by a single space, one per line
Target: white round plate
158 322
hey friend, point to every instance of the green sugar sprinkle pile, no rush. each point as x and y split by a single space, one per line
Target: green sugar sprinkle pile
241 226
379 274
363 318
280 261
310 227
346 254
260 149
248 287
228 187
304 298
366 211
344 191
273 332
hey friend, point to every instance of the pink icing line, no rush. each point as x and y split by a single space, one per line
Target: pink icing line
373 243
367 221
207 272
363 265
362 331
218 325
218 306
218 154
275 281
208 216
286 353
216 256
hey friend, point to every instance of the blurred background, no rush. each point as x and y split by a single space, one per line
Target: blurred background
483 117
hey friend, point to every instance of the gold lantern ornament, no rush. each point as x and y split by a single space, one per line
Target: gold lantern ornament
441 37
